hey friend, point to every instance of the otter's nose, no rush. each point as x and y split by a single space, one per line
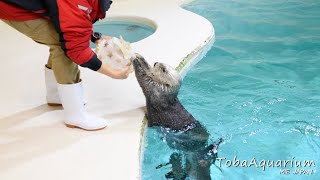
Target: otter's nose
155 63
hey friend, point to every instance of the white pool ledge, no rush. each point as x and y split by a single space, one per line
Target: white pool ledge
34 143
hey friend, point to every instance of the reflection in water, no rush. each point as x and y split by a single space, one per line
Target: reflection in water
132 28
192 156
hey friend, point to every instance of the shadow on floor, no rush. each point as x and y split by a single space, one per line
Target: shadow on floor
20 117
20 144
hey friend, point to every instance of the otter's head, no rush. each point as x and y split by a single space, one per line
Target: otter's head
158 82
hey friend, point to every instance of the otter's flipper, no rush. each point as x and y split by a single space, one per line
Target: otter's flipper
211 151
178 172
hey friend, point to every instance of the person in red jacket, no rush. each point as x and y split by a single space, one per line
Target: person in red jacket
66 27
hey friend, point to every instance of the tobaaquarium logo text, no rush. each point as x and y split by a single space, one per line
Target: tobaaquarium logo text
298 166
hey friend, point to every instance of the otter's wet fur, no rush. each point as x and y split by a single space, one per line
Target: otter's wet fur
160 85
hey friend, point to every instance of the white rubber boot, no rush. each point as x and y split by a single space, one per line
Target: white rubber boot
75 113
53 98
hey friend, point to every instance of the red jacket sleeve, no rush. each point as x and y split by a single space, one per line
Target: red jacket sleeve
72 20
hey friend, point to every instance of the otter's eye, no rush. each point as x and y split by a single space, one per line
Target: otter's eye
167 85
163 70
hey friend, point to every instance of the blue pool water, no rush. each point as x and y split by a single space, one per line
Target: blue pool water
131 32
258 88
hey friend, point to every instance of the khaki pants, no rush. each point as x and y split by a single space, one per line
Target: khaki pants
43 32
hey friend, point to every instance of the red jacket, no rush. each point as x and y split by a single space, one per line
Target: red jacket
72 19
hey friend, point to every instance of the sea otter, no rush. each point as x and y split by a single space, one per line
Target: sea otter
160 85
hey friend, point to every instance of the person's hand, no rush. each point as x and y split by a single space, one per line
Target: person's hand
107 38
120 73
115 73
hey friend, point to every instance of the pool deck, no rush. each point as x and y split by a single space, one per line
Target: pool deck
35 144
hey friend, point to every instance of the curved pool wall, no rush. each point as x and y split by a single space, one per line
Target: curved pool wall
195 56
35 143
132 30
258 88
